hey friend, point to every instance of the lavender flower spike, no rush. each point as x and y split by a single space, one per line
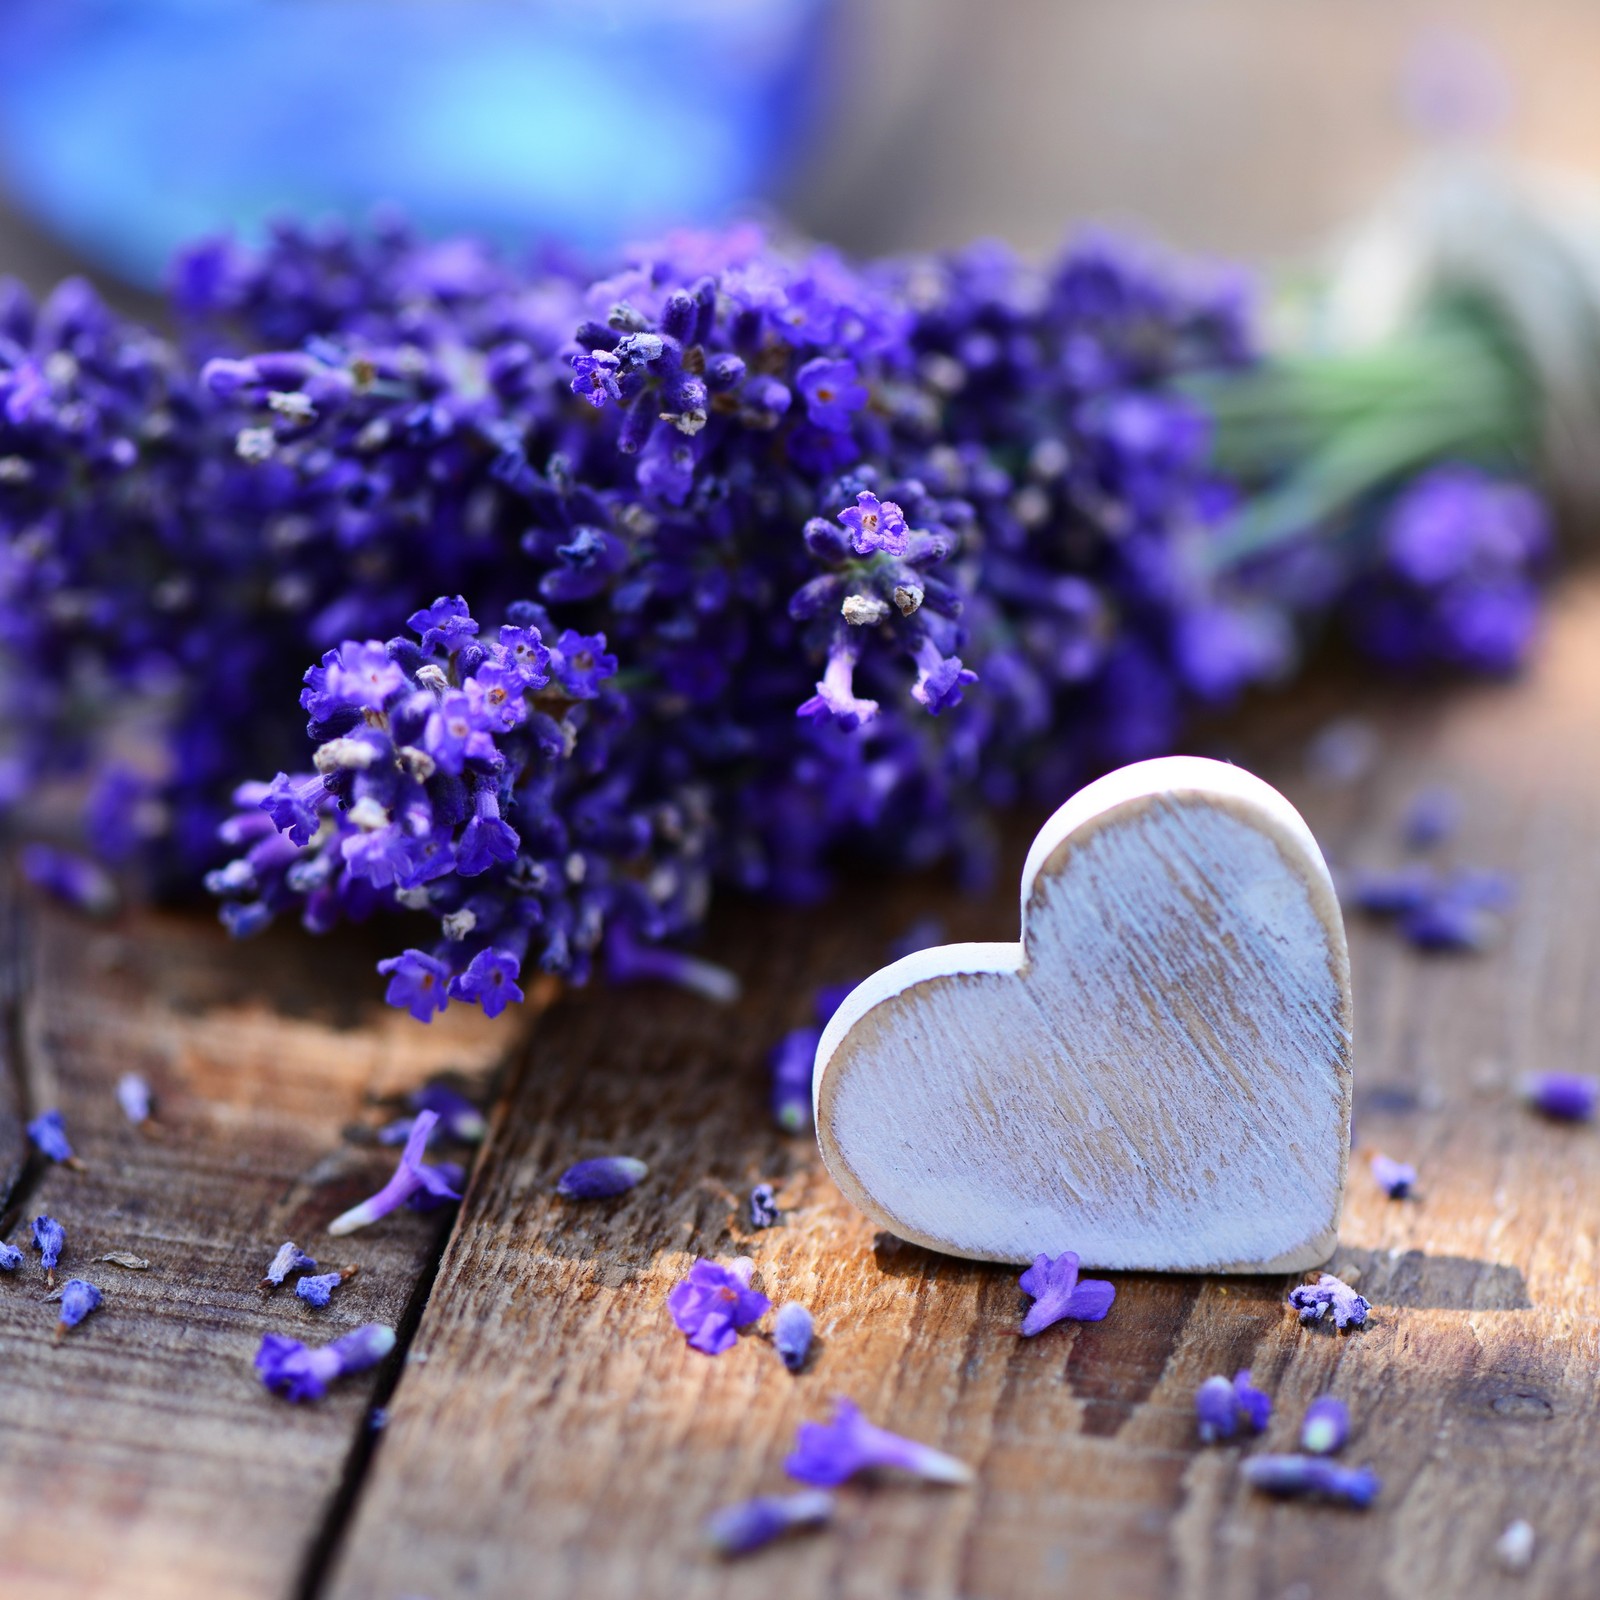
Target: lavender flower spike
1566 1096
317 1291
78 1299
1396 1178
1222 1407
1058 1293
828 1453
133 1095
713 1303
1311 1476
297 1372
601 1178
1329 1294
1326 1427
791 1334
753 1523
10 1258
290 1258
410 1176
49 1239
49 1134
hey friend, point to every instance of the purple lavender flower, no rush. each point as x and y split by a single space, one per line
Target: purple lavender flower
1311 1477
410 1176
1396 1178
317 1291
418 982
49 1134
78 1299
601 1178
791 1334
875 525
71 878
1565 1096
714 1302
763 1207
290 1258
297 1372
1223 1406
1059 1293
49 1239
595 377
133 1095
1326 1426
1329 1295
490 981
10 1258
747 1526
828 1453
832 392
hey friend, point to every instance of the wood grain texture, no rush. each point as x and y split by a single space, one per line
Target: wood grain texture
553 1435
1156 1076
140 1459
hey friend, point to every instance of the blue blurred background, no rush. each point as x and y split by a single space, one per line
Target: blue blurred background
1248 127
130 126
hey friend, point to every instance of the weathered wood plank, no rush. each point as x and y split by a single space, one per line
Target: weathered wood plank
140 1459
552 1434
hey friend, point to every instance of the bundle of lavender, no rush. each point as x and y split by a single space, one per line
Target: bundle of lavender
727 566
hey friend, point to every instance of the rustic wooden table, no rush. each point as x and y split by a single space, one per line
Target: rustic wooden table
548 1433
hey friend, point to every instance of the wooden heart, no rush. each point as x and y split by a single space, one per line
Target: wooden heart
1157 1076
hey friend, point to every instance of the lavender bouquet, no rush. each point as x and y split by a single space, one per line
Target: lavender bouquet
731 565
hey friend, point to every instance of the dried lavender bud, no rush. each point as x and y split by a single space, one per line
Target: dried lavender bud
1329 1295
791 1335
49 1239
49 1134
133 1095
752 1523
1223 1406
764 1211
1311 1477
319 1289
10 1258
78 1299
1565 1096
1396 1178
601 1178
290 1258
1326 1426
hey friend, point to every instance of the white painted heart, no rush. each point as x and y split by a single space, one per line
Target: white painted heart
1157 1076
